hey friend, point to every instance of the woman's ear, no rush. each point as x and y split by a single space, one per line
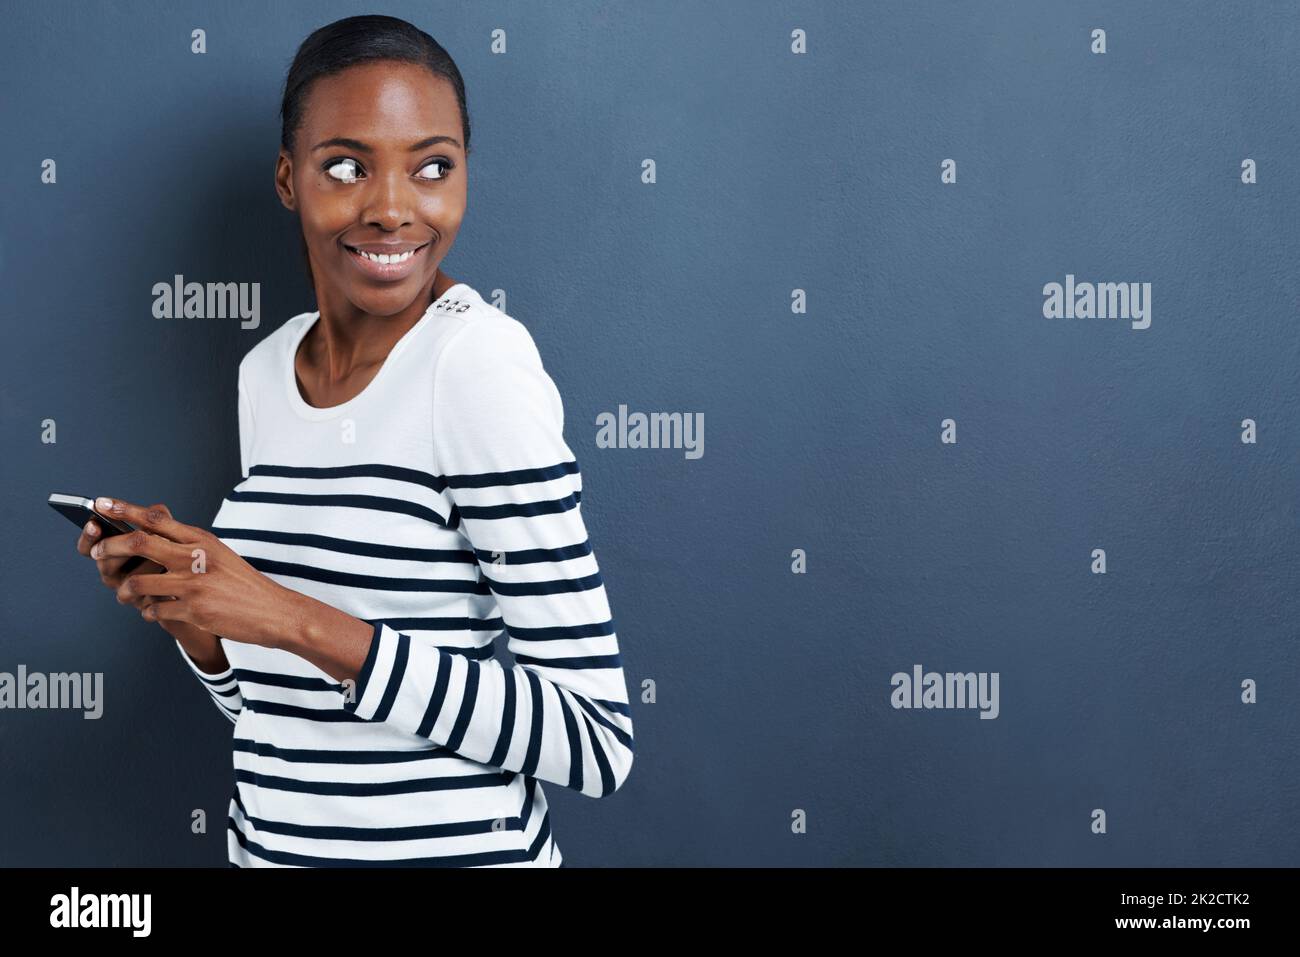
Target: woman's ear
284 180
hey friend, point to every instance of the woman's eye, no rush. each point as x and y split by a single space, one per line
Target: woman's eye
344 170
443 163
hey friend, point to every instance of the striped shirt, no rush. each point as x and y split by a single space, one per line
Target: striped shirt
442 506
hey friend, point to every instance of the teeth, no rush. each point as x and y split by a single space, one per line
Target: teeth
387 259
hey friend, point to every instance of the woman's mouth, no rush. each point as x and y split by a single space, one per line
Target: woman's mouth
386 265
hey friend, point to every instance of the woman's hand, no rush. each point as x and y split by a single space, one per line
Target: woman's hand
110 569
212 587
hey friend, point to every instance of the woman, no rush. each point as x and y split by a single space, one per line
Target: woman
407 494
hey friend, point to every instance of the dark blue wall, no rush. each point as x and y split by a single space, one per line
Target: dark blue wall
775 172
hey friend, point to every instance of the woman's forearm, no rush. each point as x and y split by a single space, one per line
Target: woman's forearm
329 638
332 640
203 647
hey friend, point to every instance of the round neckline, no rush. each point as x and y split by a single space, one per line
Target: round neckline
308 411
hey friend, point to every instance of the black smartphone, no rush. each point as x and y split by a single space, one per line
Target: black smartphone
79 510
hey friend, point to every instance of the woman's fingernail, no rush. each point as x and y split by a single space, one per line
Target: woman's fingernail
98 550
92 528
104 504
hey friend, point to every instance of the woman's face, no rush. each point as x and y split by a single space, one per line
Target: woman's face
378 167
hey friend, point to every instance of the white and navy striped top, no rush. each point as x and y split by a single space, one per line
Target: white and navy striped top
440 504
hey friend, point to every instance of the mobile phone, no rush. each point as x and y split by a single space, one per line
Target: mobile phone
79 510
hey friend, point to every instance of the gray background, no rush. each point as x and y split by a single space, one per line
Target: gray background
775 172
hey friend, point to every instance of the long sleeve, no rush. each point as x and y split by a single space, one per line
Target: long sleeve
245 425
560 713
222 686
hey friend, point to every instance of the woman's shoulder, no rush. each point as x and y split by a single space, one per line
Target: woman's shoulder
482 333
489 376
263 358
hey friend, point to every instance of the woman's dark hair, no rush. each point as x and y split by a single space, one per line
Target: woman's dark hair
361 39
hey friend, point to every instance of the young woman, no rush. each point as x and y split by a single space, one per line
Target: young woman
407 495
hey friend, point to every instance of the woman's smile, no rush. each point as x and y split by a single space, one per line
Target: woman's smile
386 261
